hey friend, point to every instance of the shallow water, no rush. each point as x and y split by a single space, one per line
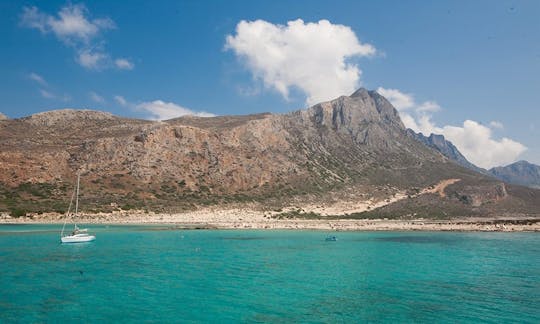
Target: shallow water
160 274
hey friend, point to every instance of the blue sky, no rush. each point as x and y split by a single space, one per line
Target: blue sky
467 69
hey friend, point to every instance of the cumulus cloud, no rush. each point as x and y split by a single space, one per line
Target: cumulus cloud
123 64
160 110
474 140
400 100
37 78
311 57
74 27
476 143
96 98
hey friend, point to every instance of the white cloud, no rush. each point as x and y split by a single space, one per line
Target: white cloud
120 100
476 143
97 98
312 57
428 107
160 110
92 60
71 24
414 116
123 64
401 101
474 140
32 18
38 78
74 27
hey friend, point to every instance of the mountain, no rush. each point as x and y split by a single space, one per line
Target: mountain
352 149
439 143
521 172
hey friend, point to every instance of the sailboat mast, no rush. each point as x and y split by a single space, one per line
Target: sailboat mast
77 199
67 213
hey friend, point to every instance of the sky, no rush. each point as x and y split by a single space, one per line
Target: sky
469 70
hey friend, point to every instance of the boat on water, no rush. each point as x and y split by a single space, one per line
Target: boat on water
78 235
331 238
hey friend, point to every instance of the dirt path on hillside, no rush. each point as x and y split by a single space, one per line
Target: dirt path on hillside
439 188
349 207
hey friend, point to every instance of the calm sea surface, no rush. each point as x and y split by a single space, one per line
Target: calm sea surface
156 274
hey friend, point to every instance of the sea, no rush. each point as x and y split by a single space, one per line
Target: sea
163 274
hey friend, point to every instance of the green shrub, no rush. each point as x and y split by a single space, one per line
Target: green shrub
127 207
17 212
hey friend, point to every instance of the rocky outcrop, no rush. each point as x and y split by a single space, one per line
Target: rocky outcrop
477 196
3 117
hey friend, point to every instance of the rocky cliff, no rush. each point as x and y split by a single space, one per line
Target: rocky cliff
354 147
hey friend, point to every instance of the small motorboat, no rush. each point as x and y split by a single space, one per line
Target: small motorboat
331 238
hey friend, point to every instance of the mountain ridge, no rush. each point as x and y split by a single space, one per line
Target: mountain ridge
353 148
447 148
520 172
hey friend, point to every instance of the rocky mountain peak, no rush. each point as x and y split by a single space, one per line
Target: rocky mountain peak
363 107
361 92
437 139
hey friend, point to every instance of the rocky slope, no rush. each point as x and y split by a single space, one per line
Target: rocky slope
353 148
521 173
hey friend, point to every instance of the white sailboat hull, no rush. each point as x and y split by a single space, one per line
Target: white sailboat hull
78 238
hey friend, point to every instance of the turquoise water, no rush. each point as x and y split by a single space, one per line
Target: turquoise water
155 274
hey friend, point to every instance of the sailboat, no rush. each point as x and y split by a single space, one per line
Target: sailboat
78 235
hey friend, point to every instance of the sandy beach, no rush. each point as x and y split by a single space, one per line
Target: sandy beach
252 219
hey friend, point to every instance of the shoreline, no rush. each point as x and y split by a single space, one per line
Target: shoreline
245 219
